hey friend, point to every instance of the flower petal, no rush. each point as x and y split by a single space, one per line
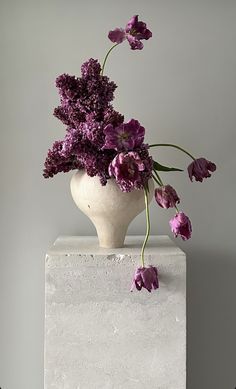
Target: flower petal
117 35
135 43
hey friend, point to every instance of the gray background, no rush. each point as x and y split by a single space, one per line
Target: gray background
182 88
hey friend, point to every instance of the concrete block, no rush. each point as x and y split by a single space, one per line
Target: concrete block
99 335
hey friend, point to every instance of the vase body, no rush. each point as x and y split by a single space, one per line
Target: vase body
109 209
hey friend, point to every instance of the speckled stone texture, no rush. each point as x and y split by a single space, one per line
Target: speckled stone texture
99 335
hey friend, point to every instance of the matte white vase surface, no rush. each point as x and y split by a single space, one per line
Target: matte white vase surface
110 209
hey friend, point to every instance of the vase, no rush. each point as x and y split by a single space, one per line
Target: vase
110 210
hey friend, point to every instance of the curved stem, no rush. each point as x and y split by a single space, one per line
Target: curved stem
148 225
177 209
105 59
175 146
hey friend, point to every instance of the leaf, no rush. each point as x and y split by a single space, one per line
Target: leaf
160 168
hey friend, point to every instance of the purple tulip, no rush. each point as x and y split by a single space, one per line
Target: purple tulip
126 136
200 168
181 225
145 277
134 32
166 196
126 168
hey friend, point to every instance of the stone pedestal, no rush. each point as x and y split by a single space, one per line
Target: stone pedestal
99 335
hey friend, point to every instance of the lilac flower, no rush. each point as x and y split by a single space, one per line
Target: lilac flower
127 136
181 225
79 150
127 168
56 162
69 115
145 278
93 130
68 86
91 69
134 32
72 141
166 196
112 117
85 109
79 96
200 168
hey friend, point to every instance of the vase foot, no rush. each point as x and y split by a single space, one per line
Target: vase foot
109 235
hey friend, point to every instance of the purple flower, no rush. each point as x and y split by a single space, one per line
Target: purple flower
117 36
145 278
181 225
200 168
134 32
166 197
126 168
127 136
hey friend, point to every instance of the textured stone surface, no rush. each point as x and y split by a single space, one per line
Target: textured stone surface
98 335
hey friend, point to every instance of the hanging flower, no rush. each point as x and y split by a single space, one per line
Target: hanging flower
134 32
145 277
166 196
181 225
126 136
200 168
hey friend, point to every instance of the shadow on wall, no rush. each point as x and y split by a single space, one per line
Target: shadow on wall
211 309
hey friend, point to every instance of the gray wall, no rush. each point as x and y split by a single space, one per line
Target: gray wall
182 88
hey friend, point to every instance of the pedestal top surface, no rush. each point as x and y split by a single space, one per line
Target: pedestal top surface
161 245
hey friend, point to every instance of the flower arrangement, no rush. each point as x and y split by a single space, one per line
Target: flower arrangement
99 141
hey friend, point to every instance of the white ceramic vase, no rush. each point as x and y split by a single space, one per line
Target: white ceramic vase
110 209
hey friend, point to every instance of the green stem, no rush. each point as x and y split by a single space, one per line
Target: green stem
148 225
105 59
175 146
156 180
158 177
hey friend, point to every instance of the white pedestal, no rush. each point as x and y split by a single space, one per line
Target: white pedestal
99 335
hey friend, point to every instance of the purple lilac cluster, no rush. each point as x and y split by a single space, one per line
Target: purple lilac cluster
97 139
87 112
96 133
